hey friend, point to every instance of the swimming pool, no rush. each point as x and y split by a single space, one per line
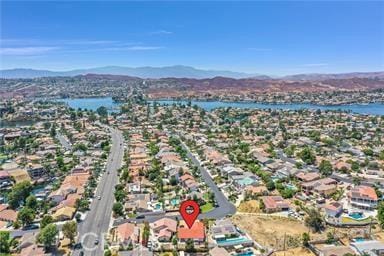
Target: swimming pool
249 253
356 215
291 186
246 181
234 241
359 239
175 201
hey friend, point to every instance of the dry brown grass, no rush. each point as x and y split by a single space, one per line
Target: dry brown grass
251 206
270 230
294 252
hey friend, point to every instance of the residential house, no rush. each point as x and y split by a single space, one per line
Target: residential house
336 250
196 232
36 171
308 177
7 215
363 197
218 251
369 247
127 233
164 229
333 209
64 213
325 186
275 204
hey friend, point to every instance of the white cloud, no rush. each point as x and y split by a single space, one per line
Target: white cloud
315 65
161 32
135 48
22 51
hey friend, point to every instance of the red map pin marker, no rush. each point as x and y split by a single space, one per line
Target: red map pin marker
189 210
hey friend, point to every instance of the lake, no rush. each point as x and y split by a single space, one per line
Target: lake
372 109
94 103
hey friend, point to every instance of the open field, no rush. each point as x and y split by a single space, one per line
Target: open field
251 206
294 252
270 230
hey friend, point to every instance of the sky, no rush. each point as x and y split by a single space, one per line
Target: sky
273 38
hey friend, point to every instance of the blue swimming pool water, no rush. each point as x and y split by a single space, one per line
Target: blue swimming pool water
356 215
246 181
245 254
175 201
290 186
233 241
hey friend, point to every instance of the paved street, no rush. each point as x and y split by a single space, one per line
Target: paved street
98 218
64 141
225 207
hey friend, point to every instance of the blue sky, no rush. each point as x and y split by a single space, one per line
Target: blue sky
272 37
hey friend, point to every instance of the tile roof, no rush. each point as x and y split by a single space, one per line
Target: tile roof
197 231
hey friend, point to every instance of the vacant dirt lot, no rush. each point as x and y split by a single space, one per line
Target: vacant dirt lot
270 230
294 252
251 206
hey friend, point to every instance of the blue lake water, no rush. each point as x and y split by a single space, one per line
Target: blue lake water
373 108
91 103
94 103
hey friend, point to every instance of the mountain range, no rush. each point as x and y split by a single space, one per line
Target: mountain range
142 72
178 71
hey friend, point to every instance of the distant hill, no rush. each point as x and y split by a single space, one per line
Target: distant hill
320 77
179 71
142 72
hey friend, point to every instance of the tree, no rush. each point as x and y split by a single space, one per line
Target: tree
173 181
19 193
48 236
307 155
47 219
261 205
189 246
314 220
118 209
102 111
380 214
325 168
146 233
70 230
26 215
305 238
4 242
120 195
330 238
270 185
52 132
381 155
31 202
60 161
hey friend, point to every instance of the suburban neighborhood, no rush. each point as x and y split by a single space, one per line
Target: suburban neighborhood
267 182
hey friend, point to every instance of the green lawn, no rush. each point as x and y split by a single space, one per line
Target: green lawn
206 208
348 220
131 215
